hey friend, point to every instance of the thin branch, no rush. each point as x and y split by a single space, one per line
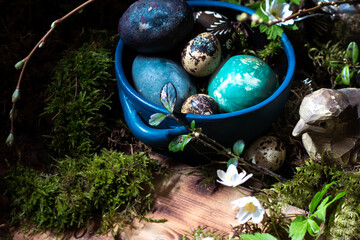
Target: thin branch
302 12
227 153
39 44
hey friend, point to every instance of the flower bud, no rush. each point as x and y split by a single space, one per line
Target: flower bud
41 45
16 95
10 140
241 17
255 17
19 64
53 25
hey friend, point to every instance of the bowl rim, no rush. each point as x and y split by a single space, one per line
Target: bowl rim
288 49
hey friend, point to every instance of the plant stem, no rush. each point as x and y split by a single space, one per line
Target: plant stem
224 151
41 41
302 12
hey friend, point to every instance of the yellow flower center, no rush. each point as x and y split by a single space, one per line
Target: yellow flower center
275 13
250 207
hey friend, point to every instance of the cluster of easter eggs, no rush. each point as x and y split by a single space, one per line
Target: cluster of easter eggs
188 48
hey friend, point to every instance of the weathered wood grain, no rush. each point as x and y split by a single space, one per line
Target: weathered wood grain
184 202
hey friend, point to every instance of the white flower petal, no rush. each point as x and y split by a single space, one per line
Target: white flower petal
257 216
232 170
226 183
243 216
221 174
267 6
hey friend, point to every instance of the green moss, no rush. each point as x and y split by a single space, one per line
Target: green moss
77 98
109 185
343 222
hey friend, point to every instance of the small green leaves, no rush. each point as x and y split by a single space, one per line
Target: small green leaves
345 75
298 228
234 161
10 140
238 147
318 196
16 96
336 63
19 64
168 96
352 53
156 119
310 224
179 143
258 236
192 125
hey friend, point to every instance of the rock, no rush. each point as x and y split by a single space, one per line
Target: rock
156 25
201 55
267 151
201 104
243 81
151 73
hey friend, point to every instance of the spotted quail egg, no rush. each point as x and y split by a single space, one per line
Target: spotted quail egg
267 151
201 104
219 25
201 55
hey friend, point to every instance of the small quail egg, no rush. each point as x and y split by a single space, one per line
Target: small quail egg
219 25
201 104
201 55
267 151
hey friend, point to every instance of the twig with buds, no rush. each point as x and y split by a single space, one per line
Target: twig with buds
300 13
22 64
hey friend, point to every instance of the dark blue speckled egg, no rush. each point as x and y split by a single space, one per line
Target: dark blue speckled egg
156 25
151 73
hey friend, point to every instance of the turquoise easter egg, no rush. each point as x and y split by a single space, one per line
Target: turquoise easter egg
243 81
151 73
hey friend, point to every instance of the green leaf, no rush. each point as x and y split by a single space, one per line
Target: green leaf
258 236
352 53
234 161
297 2
298 228
238 147
345 75
192 125
168 96
338 79
178 143
321 211
312 227
336 63
273 32
318 196
156 119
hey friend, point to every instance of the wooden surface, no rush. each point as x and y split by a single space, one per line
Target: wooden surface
184 202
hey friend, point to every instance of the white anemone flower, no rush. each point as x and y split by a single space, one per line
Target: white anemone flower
231 177
250 208
277 11
208 238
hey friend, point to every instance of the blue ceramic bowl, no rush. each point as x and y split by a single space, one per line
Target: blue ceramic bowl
226 128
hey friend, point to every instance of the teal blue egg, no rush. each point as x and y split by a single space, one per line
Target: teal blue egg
243 81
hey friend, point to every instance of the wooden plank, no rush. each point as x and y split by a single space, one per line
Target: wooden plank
184 202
